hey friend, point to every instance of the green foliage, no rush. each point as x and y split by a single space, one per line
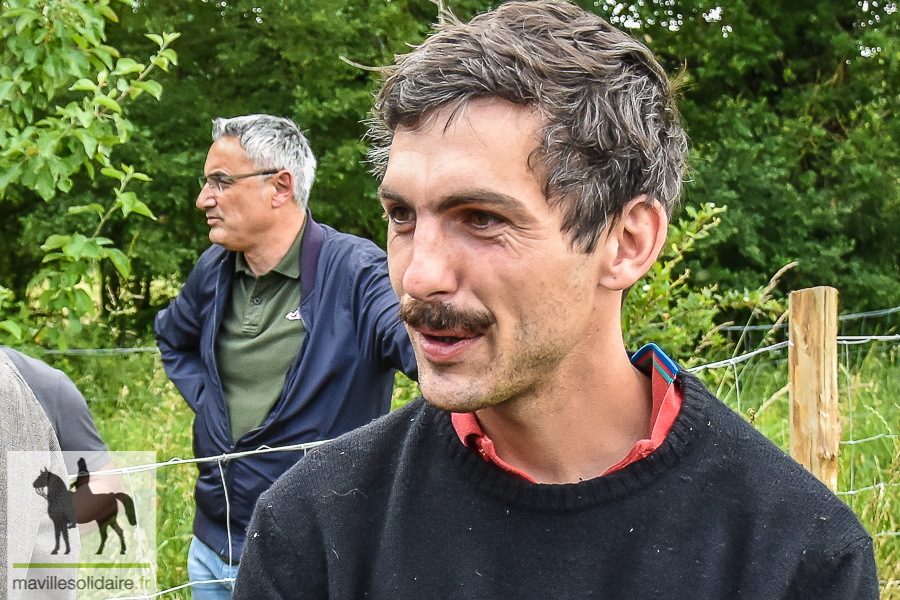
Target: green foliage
790 109
665 307
792 112
62 93
11 313
405 390
271 56
235 58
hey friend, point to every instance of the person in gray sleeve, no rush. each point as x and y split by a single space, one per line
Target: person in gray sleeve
84 451
28 533
67 410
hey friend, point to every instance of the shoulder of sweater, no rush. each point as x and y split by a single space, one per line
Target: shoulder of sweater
730 441
362 455
740 461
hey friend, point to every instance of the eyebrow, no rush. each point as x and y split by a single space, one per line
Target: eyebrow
480 197
386 193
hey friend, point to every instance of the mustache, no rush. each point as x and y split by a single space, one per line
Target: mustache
445 317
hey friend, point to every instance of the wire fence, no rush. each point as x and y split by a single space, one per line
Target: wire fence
754 383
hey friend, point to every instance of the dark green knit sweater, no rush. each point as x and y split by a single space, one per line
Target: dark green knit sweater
402 510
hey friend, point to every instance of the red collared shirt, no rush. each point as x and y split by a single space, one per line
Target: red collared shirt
667 397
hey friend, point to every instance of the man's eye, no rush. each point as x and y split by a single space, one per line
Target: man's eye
483 220
399 215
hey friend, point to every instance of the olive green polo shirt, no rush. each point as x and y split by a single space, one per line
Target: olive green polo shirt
258 340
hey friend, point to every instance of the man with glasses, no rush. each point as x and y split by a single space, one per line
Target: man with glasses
285 332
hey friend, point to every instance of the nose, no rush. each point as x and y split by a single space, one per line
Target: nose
430 271
207 197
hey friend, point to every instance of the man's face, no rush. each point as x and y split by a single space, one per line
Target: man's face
498 306
241 214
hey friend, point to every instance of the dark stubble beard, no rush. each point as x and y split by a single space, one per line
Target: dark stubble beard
514 377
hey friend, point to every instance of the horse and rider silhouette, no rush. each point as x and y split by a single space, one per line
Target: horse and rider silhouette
67 509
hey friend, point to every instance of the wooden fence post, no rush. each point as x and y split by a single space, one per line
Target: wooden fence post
812 356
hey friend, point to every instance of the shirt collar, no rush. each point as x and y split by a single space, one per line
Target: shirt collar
288 266
666 397
651 358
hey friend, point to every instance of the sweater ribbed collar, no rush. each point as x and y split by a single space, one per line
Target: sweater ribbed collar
692 420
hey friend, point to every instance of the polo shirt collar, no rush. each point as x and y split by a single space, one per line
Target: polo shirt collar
655 364
666 397
288 266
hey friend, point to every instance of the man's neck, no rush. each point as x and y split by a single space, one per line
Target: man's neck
266 257
586 427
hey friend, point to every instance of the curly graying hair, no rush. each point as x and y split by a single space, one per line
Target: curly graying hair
610 128
273 143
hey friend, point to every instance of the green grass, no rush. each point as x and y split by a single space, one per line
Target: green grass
136 408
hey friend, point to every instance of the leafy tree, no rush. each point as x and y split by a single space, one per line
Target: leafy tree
791 107
62 89
267 56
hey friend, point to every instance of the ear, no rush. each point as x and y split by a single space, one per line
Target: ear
632 244
284 188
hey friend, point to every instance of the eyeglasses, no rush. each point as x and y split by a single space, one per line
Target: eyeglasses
217 182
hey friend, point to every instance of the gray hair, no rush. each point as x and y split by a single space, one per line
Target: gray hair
610 129
273 143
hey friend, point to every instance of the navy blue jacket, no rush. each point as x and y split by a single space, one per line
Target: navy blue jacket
342 377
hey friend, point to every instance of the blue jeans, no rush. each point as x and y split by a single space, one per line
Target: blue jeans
204 565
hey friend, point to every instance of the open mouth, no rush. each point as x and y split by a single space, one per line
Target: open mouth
438 347
446 339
